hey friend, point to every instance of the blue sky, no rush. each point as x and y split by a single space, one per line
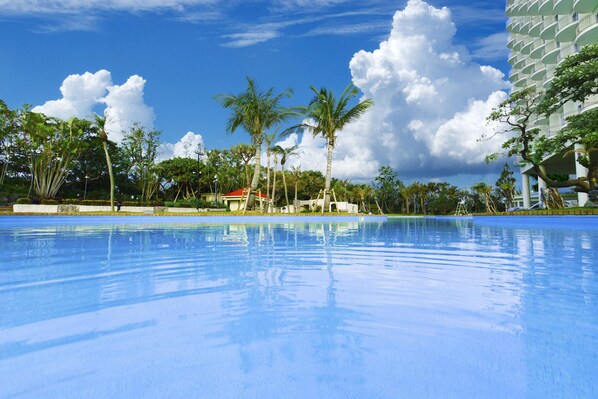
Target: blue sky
187 51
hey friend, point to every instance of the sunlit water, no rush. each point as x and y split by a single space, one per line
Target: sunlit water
404 308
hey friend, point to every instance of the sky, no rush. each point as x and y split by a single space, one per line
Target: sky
434 70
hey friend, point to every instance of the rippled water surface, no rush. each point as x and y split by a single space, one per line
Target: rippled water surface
404 308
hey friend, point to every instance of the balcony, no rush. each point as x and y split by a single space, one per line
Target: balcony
538 49
522 82
512 40
526 24
567 28
549 29
536 27
584 6
520 63
532 8
528 67
512 59
590 103
546 7
587 30
527 48
514 76
513 25
539 72
563 6
519 43
551 52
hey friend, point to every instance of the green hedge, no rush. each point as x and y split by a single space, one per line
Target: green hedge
194 203
23 200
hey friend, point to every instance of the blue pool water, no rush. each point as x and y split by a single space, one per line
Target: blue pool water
282 308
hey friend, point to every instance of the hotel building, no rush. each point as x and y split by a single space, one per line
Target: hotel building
542 34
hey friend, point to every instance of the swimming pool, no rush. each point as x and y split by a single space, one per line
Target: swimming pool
98 307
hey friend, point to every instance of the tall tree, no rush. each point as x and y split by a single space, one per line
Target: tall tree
517 113
485 190
255 111
505 185
327 116
269 140
285 154
140 146
100 124
245 153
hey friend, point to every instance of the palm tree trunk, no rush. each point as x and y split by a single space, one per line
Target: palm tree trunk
274 181
256 176
326 204
268 180
286 193
109 164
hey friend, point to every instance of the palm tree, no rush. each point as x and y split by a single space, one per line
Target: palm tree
255 111
296 173
100 123
285 153
485 190
276 150
269 139
328 116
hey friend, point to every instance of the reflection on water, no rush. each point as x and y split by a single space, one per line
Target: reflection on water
404 308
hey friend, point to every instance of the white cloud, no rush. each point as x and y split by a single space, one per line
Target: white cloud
126 106
124 103
249 38
79 94
186 147
78 6
492 48
431 101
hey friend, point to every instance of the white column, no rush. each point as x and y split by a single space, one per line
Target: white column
525 190
580 171
541 186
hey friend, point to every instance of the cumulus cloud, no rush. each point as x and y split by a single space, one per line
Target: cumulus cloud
187 147
79 94
431 101
124 103
126 106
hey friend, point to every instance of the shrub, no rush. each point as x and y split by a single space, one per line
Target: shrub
49 201
23 200
71 201
96 202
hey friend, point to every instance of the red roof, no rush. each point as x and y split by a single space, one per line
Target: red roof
239 193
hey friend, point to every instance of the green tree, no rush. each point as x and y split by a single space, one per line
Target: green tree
140 147
285 154
181 173
54 145
245 153
505 185
485 190
517 113
327 116
387 186
575 79
255 111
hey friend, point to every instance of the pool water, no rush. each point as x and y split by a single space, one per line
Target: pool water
298 308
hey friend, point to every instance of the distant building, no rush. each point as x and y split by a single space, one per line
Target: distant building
235 200
542 34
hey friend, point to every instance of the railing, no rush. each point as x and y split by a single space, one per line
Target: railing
542 4
565 20
551 46
587 22
589 103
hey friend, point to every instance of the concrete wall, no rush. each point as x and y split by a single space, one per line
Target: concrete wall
32 208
